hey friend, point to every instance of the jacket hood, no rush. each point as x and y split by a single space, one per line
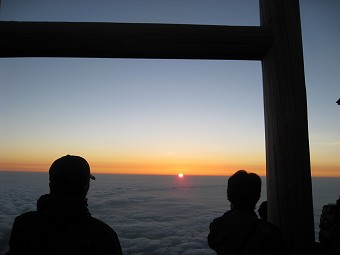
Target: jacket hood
62 210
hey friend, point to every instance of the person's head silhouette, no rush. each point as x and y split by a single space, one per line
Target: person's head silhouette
244 190
70 176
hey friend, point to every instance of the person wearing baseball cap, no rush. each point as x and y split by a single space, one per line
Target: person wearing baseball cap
70 175
62 223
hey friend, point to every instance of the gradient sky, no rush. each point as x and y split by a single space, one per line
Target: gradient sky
160 116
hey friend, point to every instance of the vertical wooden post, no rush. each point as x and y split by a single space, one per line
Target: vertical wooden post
290 204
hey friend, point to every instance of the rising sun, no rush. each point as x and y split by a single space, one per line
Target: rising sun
180 175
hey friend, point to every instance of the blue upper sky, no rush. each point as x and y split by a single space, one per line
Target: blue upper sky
116 111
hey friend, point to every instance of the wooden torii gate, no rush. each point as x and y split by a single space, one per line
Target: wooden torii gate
276 43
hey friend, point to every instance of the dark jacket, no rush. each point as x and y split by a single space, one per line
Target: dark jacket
241 232
62 226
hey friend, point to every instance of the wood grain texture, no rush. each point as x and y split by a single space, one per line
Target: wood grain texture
290 204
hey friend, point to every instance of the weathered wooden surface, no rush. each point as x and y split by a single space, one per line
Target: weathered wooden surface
287 147
124 40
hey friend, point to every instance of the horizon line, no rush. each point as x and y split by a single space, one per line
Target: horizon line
154 174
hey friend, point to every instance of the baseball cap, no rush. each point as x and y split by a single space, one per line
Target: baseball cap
70 168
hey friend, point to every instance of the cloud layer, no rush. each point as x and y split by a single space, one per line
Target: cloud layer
151 214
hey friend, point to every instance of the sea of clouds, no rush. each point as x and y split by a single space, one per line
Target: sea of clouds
158 214
151 214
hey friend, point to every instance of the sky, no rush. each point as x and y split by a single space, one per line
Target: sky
132 116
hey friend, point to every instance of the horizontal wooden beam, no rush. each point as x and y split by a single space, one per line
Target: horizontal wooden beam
127 40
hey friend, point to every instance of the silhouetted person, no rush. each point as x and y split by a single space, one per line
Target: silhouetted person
62 223
329 235
239 231
263 211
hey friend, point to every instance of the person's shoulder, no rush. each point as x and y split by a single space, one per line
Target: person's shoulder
268 227
101 226
104 234
272 234
219 220
237 216
229 218
224 217
27 221
98 222
26 217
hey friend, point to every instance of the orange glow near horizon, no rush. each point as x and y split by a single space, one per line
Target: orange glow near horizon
159 168
163 168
